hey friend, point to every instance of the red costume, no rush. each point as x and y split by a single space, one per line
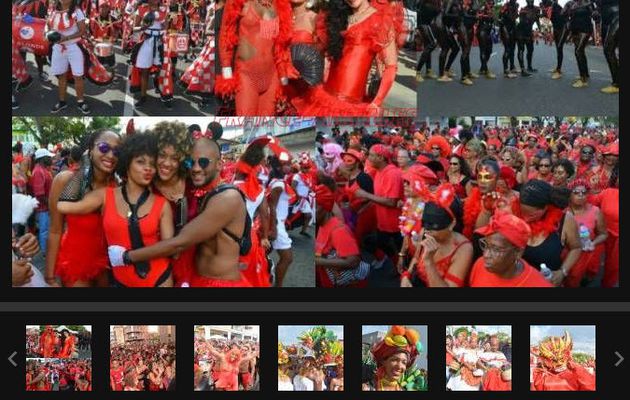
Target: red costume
68 347
344 92
117 233
255 81
334 237
493 382
529 277
47 342
608 201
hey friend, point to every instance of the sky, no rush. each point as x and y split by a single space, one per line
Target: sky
289 334
87 327
583 336
489 329
421 361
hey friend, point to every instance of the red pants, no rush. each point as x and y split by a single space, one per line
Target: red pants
587 265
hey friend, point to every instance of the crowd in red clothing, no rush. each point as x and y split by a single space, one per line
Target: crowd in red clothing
142 366
51 343
533 206
58 375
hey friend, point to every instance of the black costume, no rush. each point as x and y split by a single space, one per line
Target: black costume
507 19
427 10
527 17
609 11
484 36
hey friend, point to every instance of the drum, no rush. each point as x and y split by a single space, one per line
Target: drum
29 35
104 49
177 42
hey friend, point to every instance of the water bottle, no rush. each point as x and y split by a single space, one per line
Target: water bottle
585 238
545 271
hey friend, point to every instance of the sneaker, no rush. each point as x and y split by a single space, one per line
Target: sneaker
58 107
419 77
14 104
430 75
24 85
43 76
140 101
612 89
450 74
467 81
472 75
83 107
490 75
579 84
445 78
532 70
556 75
525 73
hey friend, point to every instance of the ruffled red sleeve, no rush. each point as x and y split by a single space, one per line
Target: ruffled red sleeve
281 44
381 28
228 40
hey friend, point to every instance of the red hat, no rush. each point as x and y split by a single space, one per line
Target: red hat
509 176
612 148
578 182
441 142
382 150
419 176
280 152
514 229
324 197
261 141
496 142
357 155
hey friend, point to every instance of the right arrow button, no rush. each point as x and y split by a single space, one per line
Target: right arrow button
618 363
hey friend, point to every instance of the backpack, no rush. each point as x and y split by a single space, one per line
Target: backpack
245 241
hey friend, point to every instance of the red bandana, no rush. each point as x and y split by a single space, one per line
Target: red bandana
250 186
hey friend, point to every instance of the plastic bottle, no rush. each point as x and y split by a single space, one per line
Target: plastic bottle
545 271
585 238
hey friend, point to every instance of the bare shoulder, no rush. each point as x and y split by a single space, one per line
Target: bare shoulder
62 178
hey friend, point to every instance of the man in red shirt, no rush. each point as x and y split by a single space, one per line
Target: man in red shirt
502 265
336 249
388 191
40 182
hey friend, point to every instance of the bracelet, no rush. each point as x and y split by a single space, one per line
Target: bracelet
405 274
125 258
401 254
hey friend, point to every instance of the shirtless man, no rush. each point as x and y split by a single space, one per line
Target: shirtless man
247 367
228 366
214 230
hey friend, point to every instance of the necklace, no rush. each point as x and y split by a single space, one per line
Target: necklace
354 18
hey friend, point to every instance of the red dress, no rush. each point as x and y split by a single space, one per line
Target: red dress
117 233
68 347
588 263
82 257
442 265
344 92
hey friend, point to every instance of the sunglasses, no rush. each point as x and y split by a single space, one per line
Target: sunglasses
587 152
435 148
507 159
105 148
454 163
580 192
544 165
203 162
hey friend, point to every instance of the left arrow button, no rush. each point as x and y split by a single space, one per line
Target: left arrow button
11 359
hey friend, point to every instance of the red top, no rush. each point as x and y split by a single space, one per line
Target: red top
117 233
588 219
608 202
388 183
442 265
116 375
68 347
41 180
335 235
481 277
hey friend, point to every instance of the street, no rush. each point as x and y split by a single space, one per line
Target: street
112 100
535 95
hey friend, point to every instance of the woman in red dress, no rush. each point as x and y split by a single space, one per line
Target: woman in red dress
68 344
148 220
80 260
356 35
254 54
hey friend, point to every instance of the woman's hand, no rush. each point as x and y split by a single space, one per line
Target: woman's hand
265 243
557 277
27 245
375 110
430 246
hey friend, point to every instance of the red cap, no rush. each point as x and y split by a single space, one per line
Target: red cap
382 150
514 229
612 148
357 155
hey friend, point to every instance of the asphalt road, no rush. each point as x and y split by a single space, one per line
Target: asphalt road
301 272
111 100
535 95
401 100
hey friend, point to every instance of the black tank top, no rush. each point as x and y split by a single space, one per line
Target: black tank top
547 252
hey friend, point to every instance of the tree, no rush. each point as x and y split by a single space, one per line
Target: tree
53 130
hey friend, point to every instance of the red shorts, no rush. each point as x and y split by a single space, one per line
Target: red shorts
246 377
201 281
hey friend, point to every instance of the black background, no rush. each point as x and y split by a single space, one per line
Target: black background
610 337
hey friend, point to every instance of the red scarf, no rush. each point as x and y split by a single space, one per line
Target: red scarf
548 224
472 209
250 186
195 195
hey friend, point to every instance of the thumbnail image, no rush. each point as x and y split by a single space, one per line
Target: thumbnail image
481 201
58 358
227 358
264 239
479 358
562 358
142 358
310 358
394 358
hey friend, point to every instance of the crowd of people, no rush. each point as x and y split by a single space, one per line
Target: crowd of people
194 217
58 342
528 206
79 38
56 375
455 25
314 364
222 365
553 366
391 367
477 361
142 366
